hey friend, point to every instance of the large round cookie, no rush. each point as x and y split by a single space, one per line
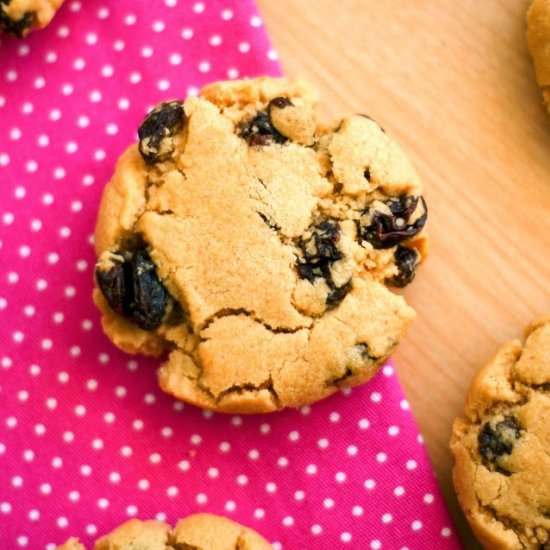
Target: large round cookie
538 39
200 531
19 17
255 245
502 446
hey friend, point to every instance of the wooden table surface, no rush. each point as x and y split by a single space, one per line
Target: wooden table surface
453 82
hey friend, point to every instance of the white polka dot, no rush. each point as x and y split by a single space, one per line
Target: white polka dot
130 19
11 422
404 405
43 140
334 417
445 532
17 481
163 85
242 479
22 540
68 437
63 31
126 451
375 544
232 73
428 498
388 370
143 484
114 477
328 503
294 436
259 513
340 477
51 403
416 525
357 510
71 147
171 3
204 66
97 444
187 33
91 529
55 114
27 108
311 469
103 503
4 159
370 484
75 6
34 370
147 51
393 431
23 395
195 439
158 26
288 521
271 487
375 397
282 461
131 510
225 447
198 7
244 47
62 522
15 134
31 166
137 424
80 410
352 450
411 464
118 45
51 57
18 336
363 424
345 537
323 443
6 362
201 498
5 507
155 458
135 77
387 518
40 429
381 457
41 284
85 470
64 232
103 12
23 50
57 462
399 491
34 515
45 488
230 506
316 529
215 40
184 465
74 496
3 303
91 39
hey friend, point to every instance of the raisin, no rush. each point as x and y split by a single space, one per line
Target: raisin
320 251
164 121
15 27
279 103
406 260
149 295
113 284
496 441
260 131
387 230
134 290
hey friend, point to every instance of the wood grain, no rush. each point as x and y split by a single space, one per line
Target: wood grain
454 84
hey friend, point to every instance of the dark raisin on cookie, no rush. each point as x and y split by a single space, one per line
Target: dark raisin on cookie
279 103
320 251
259 130
391 226
499 440
164 121
15 27
406 260
133 289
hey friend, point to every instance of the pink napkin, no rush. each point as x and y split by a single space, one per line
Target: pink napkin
86 438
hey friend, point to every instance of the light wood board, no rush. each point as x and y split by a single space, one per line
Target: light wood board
453 82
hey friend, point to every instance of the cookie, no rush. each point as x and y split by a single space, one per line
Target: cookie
19 17
538 39
256 246
200 531
502 446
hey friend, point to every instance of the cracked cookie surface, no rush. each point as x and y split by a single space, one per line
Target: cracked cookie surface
196 532
19 17
256 245
502 446
538 39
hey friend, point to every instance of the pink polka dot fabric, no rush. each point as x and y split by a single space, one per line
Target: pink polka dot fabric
86 438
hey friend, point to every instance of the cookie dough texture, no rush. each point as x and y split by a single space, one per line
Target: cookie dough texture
275 237
538 39
19 17
197 532
502 446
